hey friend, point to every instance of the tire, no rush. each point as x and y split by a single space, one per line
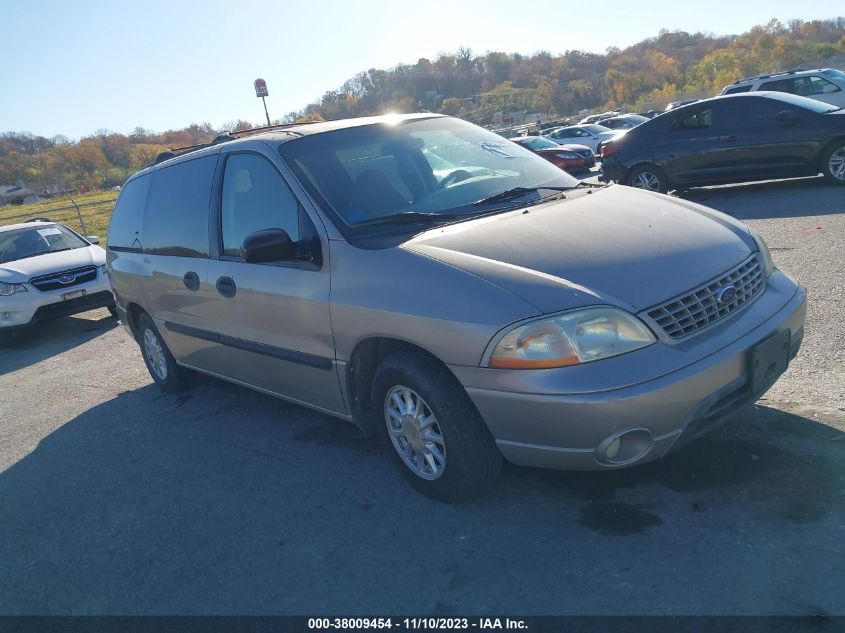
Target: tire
833 163
158 359
648 174
470 459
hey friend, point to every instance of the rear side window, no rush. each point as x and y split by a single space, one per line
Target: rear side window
781 85
128 215
699 120
176 218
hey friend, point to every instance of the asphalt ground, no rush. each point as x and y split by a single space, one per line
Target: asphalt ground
118 499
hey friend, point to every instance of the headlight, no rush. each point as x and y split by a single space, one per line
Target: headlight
567 155
570 338
7 290
768 265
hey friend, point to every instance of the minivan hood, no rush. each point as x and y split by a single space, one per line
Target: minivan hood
616 245
22 270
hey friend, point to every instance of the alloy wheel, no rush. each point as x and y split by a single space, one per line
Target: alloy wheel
154 351
836 164
415 432
646 180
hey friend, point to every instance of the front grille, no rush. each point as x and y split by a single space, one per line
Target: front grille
700 307
64 279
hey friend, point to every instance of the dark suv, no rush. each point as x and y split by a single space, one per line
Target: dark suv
735 138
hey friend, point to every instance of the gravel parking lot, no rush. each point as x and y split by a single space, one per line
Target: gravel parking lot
117 499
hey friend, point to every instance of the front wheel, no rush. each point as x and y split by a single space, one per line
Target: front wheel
833 164
435 436
648 177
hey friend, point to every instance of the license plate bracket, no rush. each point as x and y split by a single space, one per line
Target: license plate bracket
769 360
73 295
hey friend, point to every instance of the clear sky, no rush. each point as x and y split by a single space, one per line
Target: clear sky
75 66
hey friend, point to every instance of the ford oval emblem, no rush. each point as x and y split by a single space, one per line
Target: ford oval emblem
726 295
67 278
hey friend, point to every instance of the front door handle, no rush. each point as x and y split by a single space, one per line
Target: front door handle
191 280
226 286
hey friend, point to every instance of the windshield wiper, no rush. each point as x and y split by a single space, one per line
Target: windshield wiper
411 217
515 192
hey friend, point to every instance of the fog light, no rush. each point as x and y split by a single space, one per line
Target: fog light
626 447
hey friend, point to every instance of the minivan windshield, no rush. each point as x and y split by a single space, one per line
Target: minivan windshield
37 240
418 170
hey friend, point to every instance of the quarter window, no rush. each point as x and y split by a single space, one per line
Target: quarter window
255 198
128 215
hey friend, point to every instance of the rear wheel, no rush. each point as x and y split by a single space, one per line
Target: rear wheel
648 177
833 163
158 359
434 434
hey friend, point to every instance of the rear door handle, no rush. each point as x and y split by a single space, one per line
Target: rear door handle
191 280
732 138
226 286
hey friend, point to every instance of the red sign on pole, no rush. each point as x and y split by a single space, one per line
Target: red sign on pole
260 88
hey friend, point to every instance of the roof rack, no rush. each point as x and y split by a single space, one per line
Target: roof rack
777 74
224 138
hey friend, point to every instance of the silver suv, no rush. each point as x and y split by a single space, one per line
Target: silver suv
823 84
450 292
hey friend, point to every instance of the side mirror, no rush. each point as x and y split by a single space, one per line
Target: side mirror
787 116
94 239
268 245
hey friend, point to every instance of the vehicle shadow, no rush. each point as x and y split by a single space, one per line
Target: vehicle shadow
796 197
34 345
221 500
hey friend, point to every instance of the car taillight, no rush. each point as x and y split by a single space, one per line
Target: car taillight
609 149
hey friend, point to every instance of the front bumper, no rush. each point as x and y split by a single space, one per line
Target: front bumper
29 308
571 431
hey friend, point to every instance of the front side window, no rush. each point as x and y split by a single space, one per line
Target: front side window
821 86
37 240
422 169
255 198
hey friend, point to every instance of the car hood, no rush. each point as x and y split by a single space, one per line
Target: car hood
616 245
22 270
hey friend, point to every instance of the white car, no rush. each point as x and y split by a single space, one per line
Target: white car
823 84
48 271
590 135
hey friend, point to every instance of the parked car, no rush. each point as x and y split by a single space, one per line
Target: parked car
571 157
823 84
510 312
590 135
623 122
750 136
597 118
49 271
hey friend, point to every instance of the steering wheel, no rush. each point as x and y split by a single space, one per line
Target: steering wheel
457 176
